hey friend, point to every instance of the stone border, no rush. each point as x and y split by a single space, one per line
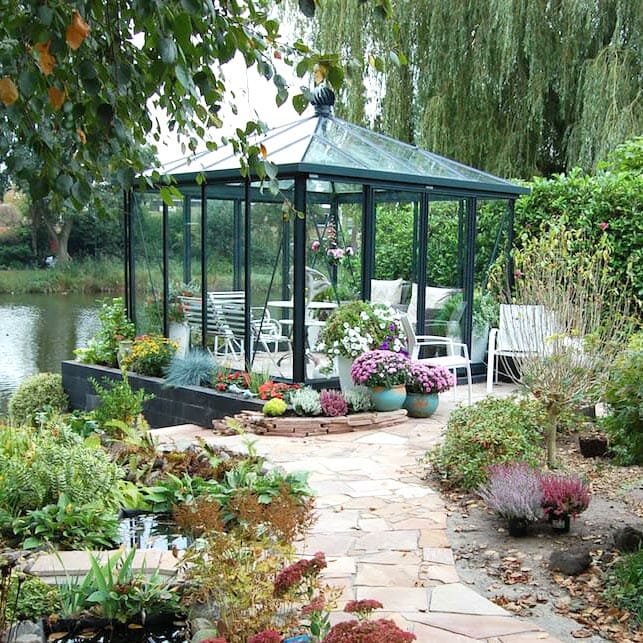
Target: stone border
302 427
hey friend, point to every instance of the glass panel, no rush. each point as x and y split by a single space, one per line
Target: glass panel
333 259
147 220
443 306
396 244
492 236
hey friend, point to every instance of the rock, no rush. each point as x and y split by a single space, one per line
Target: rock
628 539
570 562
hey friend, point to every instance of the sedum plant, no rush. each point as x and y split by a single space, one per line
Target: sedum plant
35 394
306 401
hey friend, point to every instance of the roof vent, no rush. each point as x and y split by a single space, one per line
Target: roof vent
323 100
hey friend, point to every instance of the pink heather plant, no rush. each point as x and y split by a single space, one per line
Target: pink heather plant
564 495
267 636
424 378
333 403
380 368
513 491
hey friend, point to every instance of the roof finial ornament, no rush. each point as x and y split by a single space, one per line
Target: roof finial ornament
323 96
323 100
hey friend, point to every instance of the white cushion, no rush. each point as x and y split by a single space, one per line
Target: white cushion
434 298
385 291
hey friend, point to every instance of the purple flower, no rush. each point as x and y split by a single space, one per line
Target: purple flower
315 245
380 368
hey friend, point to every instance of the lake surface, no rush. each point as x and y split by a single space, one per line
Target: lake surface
37 332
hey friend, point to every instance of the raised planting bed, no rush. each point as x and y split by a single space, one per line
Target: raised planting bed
301 427
170 406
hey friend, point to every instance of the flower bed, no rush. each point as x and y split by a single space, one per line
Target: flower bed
170 406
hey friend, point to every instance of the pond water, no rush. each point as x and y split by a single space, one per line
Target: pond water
37 332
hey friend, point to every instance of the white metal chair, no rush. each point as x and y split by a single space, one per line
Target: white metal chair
523 330
457 353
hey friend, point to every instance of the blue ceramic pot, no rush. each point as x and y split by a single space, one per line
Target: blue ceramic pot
421 405
388 399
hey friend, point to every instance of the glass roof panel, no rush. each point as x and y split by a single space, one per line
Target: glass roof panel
332 142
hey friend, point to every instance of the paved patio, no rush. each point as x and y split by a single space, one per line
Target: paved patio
383 528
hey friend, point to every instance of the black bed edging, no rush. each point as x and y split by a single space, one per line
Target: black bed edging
170 406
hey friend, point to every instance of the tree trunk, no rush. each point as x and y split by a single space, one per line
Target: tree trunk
60 239
550 437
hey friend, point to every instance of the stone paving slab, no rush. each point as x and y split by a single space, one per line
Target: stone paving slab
383 528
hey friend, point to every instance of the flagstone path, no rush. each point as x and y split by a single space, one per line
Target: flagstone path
383 528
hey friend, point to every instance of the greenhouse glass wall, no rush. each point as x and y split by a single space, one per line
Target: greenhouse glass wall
358 215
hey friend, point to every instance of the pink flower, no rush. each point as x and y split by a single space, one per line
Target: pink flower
315 245
603 225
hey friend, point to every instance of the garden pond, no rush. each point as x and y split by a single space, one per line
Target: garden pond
38 332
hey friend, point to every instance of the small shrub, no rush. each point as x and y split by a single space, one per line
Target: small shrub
275 407
624 394
118 402
115 327
489 432
358 399
195 369
37 393
305 401
513 491
150 355
625 587
333 403
564 494
30 598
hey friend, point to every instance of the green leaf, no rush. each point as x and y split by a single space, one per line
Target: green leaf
64 183
81 192
31 543
167 50
183 30
27 83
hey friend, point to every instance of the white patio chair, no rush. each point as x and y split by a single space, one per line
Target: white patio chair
523 330
457 353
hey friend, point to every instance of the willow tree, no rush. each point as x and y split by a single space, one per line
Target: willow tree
515 87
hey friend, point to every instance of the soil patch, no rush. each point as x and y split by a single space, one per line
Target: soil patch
514 572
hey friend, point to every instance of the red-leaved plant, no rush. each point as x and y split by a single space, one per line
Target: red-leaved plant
364 630
564 495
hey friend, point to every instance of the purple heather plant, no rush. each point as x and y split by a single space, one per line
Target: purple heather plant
424 378
333 403
513 490
564 495
380 368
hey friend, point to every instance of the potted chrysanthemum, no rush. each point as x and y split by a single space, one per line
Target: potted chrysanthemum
357 327
423 384
385 374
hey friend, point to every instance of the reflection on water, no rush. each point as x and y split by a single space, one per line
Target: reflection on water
37 332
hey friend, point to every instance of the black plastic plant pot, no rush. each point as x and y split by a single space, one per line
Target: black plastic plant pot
560 524
518 527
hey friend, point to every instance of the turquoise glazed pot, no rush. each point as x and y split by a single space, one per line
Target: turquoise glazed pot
388 399
421 405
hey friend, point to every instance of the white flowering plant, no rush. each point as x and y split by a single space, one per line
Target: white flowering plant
357 327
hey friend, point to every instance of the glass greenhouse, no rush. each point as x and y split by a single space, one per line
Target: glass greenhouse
374 219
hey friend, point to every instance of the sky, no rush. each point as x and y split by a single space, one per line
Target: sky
255 100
